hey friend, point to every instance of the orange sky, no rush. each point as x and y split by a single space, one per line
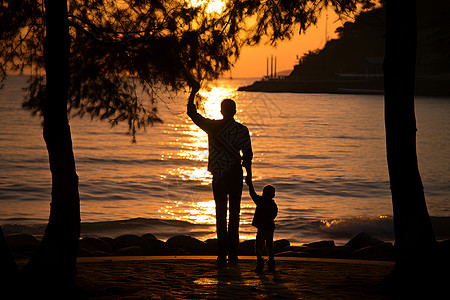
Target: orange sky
252 61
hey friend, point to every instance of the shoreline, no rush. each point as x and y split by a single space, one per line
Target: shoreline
424 87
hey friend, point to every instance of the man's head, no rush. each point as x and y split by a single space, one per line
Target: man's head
228 108
268 191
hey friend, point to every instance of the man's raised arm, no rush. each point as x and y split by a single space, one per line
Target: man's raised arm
191 109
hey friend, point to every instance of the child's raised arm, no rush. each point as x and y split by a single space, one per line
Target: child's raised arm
255 197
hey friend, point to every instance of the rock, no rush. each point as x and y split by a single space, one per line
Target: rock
445 244
21 244
175 251
362 240
94 244
148 236
384 251
295 248
26 250
84 252
130 251
108 240
212 248
177 242
101 253
336 252
16 240
247 247
195 246
159 246
18 256
280 245
320 244
129 240
294 254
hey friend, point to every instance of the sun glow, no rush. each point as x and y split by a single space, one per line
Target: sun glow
213 97
194 145
215 6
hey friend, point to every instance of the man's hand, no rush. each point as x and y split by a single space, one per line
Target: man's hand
248 180
195 86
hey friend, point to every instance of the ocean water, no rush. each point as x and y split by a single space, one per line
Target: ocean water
325 155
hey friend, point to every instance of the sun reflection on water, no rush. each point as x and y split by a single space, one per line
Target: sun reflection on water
202 212
196 212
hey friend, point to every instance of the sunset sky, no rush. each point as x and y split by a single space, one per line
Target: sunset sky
252 62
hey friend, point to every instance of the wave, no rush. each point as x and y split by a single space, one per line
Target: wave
100 160
381 227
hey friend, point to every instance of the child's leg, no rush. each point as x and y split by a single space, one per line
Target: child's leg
269 244
270 250
259 244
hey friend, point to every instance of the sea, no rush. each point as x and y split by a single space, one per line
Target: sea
324 154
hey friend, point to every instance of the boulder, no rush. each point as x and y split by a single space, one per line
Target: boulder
336 252
108 240
294 254
130 251
158 246
177 242
320 244
22 244
384 251
26 250
148 236
280 245
95 244
195 246
84 252
362 240
101 253
295 248
445 244
129 240
247 247
16 240
212 248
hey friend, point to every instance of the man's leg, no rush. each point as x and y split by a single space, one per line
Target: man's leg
220 197
235 193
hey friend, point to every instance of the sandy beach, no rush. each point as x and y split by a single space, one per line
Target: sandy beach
198 277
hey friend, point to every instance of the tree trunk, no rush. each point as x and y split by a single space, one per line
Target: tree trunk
57 253
414 237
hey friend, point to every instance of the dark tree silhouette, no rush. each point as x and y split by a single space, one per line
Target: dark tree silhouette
58 249
415 242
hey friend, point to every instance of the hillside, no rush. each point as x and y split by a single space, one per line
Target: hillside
353 61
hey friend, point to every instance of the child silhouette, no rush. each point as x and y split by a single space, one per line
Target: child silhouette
265 213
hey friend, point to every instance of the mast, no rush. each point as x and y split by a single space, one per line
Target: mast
275 72
271 66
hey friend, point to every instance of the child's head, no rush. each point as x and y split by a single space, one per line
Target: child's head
269 191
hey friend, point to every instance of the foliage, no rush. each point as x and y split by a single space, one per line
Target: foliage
123 53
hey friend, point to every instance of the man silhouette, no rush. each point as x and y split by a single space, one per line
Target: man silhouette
226 139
